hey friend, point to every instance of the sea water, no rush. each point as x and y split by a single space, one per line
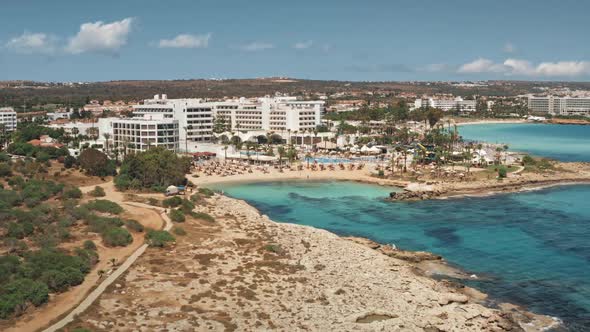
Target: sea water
561 142
531 248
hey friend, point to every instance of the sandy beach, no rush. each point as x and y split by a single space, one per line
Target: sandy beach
468 122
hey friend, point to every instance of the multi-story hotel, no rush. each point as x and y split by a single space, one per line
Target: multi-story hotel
140 133
270 113
560 105
7 119
194 116
447 104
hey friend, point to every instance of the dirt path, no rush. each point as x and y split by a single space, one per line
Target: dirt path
60 304
109 280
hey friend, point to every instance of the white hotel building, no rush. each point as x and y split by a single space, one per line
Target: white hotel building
180 124
270 113
447 104
560 105
7 119
140 133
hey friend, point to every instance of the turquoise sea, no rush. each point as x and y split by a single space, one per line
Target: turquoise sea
561 142
529 248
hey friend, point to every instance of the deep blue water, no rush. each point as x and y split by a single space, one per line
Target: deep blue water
529 248
561 142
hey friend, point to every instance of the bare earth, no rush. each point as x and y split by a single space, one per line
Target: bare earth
247 273
61 304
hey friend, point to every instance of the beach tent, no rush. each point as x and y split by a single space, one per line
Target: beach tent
364 149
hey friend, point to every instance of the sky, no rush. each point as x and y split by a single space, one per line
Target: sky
422 40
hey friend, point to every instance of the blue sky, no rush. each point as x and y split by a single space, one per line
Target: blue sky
343 40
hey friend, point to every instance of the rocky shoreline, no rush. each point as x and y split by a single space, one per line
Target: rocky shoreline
572 174
247 272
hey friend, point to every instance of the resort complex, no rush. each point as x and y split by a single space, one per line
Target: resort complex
294 166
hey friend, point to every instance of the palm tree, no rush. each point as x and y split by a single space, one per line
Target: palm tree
100 273
106 139
307 158
281 151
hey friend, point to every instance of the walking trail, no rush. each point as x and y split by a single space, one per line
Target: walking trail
82 306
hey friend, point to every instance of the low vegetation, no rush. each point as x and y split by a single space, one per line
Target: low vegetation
156 238
203 216
105 206
97 192
177 215
178 230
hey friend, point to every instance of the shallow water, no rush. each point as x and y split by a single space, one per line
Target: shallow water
561 142
532 248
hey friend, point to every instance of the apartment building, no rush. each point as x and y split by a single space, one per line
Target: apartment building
194 116
270 113
140 133
7 119
447 104
560 105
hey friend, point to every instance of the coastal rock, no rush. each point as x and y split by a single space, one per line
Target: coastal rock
450 298
413 195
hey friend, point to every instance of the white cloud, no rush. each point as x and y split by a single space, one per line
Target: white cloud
257 46
564 68
33 43
523 67
435 67
303 45
509 48
481 65
100 37
186 41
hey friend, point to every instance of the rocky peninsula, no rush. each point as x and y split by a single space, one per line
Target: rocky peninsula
246 272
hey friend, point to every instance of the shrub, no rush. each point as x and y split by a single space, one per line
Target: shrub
528 160
72 192
96 163
123 182
177 216
134 225
502 172
179 231
117 237
98 192
5 169
206 192
15 294
203 216
153 201
187 206
69 162
105 206
172 202
89 245
158 238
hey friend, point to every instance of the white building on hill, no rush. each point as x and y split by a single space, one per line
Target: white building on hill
140 133
7 119
270 113
446 104
560 105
